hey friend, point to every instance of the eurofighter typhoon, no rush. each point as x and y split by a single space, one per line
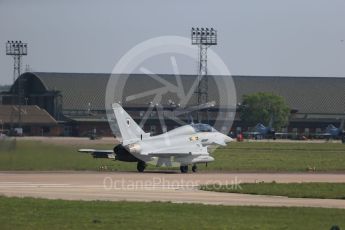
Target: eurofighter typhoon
186 145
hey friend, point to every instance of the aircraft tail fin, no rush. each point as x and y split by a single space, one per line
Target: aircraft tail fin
129 129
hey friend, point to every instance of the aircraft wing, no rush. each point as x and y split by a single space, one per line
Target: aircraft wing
324 134
192 149
251 133
96 153
280 133
320 134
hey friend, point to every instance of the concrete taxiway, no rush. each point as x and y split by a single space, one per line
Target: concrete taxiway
173 187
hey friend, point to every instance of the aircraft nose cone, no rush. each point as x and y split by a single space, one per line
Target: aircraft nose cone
227 139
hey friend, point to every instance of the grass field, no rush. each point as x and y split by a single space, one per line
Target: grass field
261 156
35 155
246 156
297 190
29 213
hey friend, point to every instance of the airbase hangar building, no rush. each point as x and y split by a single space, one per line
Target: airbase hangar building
73 104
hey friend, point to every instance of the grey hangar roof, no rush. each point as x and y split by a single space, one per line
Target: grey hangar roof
313 95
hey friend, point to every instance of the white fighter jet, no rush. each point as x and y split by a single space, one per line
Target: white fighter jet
186 145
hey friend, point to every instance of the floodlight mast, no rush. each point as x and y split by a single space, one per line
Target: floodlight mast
203 38
17 49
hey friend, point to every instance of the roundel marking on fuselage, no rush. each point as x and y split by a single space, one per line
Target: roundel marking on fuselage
194 138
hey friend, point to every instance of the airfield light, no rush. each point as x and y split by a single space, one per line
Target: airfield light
204 36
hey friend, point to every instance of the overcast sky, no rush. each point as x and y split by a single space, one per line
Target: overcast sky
256 37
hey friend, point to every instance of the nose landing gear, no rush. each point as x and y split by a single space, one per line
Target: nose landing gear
141 166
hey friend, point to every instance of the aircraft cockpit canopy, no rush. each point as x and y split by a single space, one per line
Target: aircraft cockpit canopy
330 127
199 127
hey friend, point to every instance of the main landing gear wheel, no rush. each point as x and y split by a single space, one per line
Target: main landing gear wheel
184 168
141 166
194 168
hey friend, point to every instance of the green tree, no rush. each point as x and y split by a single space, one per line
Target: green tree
261 107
